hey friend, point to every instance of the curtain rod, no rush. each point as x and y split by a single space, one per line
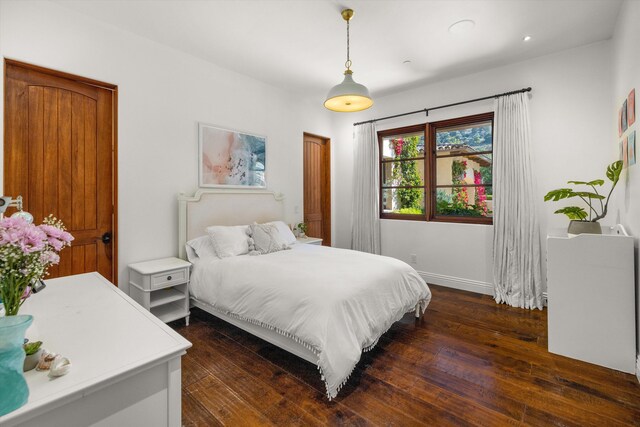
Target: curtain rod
426 110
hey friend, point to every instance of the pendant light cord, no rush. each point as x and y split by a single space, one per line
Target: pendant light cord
348 63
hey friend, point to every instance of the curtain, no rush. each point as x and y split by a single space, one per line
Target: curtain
516 236
365 221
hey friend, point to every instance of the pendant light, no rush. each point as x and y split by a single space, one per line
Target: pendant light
348 96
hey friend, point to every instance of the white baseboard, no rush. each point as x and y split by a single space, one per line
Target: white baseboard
458 283
638 368
471 286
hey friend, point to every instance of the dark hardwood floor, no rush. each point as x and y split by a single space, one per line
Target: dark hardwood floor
468 361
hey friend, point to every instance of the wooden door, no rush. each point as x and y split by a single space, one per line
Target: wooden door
317 187
59 146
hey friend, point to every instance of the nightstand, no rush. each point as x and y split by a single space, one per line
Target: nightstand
162 287
309 240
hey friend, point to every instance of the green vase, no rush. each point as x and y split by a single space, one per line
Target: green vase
13 388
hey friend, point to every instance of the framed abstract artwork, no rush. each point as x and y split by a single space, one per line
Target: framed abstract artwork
620 122
631 107
230 159
631 148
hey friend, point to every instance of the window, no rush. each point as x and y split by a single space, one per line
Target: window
451 161
402 172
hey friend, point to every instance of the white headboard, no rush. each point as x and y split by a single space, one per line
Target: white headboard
224 207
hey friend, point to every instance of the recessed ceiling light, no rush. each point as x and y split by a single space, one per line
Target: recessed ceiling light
526 38
462 26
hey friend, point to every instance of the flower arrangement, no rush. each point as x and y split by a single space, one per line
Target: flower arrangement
26 253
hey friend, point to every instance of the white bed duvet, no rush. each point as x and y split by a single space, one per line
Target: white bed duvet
335 302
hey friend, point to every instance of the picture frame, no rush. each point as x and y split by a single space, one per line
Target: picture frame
624 122
625 153
620 122
631 148
230 158
631 107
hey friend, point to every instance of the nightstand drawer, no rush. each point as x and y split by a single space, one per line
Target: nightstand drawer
168 278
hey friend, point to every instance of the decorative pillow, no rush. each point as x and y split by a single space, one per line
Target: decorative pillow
192 257
266 239
229 241
200 247
286 235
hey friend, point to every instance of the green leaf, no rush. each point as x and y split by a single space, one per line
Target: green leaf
559 194
594 182
589 195
573 212
614 170
32 347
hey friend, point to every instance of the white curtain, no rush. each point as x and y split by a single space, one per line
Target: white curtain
365 220
516 237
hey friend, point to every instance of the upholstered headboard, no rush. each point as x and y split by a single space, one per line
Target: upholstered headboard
224 207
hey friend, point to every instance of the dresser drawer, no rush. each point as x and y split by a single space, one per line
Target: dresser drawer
169 278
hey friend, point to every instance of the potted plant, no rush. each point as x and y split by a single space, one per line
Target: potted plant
302 229
586 221
32 351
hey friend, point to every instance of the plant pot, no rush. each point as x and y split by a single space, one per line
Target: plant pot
14 391
584 227
31 360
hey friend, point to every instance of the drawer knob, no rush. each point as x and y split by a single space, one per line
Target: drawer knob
168 277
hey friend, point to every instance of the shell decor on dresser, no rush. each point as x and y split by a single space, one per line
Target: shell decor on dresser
46 359
59 367
56 364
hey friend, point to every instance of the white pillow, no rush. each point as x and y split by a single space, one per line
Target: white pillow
265 239
200 247
286 235
229 241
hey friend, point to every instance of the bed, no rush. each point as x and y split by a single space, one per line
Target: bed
325 305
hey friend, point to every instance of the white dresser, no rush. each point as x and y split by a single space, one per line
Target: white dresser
125 362
591 297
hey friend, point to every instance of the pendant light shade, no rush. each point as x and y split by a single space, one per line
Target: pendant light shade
348 96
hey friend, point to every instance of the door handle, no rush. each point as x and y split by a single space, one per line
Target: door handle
106 238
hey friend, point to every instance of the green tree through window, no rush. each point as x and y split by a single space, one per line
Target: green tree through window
406 174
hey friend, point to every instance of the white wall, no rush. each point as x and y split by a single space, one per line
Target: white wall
626 76
570 104
162 93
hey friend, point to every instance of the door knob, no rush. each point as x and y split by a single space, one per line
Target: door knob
106 238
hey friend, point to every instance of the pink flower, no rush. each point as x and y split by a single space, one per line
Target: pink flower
32 240
49 257
56 237
13 222
9 237
56 233
66 237
18 232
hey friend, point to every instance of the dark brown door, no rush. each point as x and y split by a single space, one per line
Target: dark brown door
317 187
58 154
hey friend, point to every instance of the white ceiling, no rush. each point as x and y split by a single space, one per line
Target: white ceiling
300 45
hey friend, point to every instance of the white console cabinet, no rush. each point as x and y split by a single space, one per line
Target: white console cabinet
591 297
126 368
